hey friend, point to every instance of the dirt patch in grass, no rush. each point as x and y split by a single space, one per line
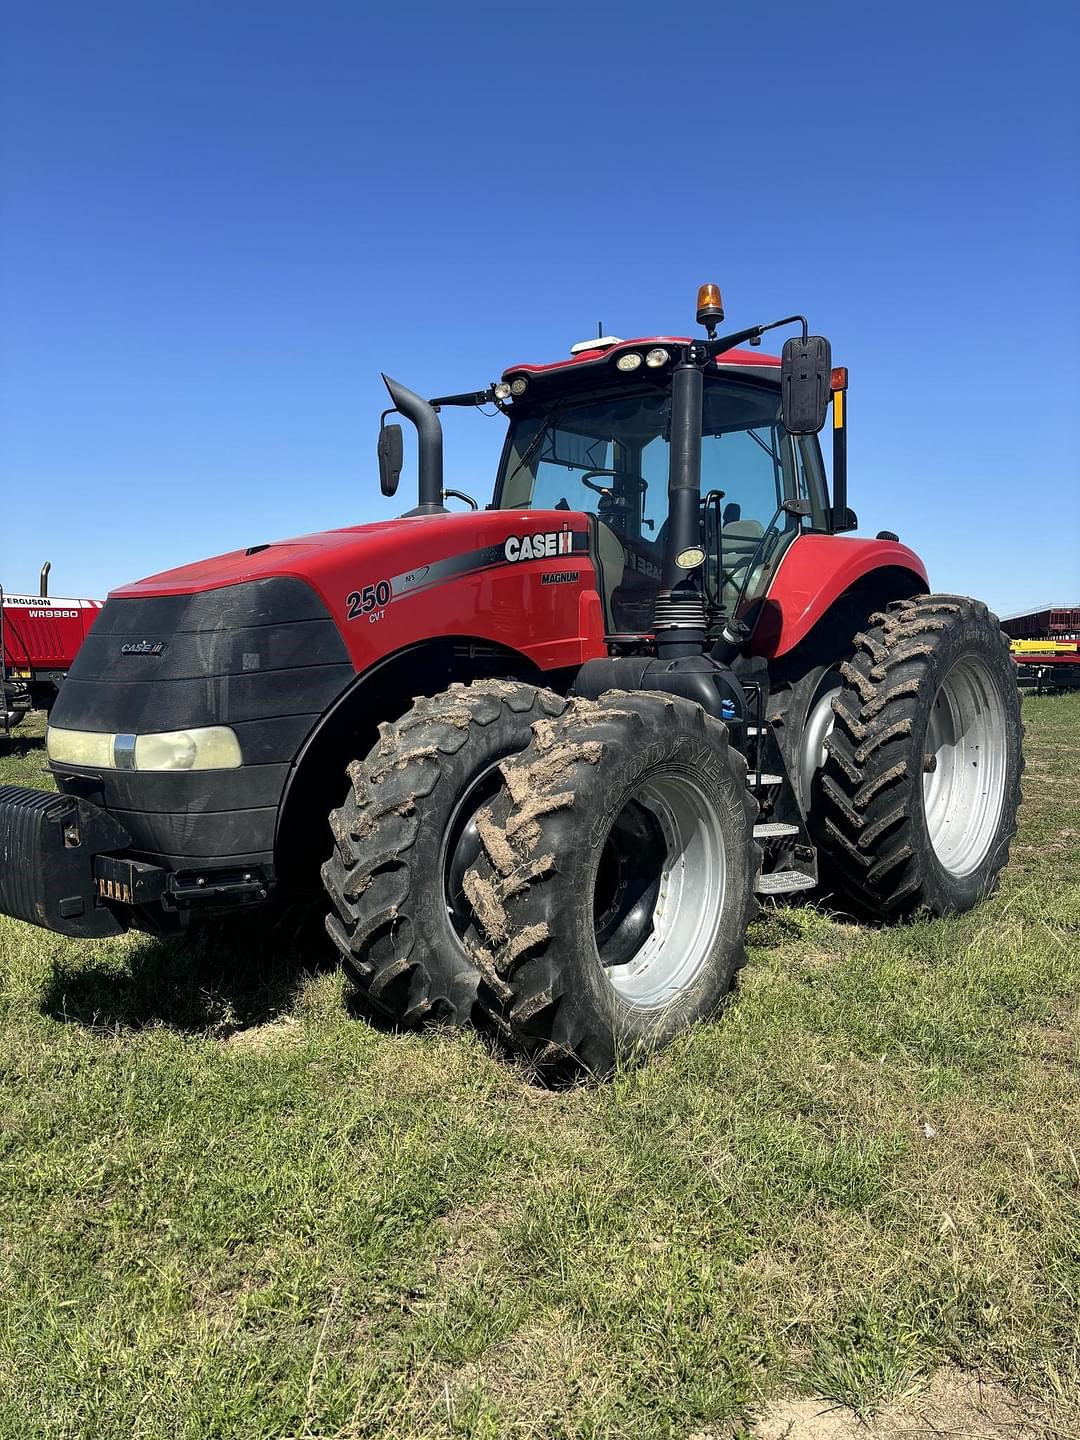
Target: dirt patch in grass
280 1034
956 1404
471 1233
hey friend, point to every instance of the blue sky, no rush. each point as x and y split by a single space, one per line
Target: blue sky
221 220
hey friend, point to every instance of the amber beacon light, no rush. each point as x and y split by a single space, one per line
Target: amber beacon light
710 308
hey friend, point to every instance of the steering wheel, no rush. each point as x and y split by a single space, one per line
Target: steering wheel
586 480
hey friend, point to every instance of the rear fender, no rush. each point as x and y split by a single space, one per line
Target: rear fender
815 571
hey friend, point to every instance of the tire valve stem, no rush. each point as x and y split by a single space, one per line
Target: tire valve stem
929 764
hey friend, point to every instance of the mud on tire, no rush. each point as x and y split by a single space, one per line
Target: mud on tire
616 881
410 802
921 783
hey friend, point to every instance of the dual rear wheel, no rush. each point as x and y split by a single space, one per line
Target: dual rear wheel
920 781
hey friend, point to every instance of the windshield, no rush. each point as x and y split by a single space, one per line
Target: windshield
609 457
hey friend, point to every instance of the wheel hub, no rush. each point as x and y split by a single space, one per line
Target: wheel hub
820 720
657 923
964 767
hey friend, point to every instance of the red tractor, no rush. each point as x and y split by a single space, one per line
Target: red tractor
40 636
564 741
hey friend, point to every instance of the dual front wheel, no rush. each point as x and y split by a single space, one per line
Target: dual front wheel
577 874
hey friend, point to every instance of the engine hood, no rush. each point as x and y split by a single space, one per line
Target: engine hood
483 574
304 556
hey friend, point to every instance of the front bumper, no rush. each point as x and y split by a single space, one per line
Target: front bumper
59 869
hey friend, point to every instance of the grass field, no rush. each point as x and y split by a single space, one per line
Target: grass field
228 1207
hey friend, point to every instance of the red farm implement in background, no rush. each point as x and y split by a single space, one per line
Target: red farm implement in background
39 637
1045 645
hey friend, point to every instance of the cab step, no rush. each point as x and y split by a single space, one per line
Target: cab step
773 829
754 780
783 882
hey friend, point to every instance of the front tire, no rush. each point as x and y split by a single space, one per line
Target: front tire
404 838
922 778
616 883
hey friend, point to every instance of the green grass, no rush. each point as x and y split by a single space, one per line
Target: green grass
228 1207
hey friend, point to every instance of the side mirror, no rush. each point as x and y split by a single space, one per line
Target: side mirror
391 458
805 381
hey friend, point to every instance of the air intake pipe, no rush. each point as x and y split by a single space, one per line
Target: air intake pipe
679 616
429 439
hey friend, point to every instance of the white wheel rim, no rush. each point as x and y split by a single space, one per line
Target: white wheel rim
966 757
818 728
690 900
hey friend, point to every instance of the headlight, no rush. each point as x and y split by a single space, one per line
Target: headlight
502 391
655 358
519 386
208 747
80 747
213 748
630 361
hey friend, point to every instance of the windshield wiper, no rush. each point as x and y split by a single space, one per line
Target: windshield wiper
533 445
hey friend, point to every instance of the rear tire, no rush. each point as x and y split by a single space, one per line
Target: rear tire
616 883
402 843
921 784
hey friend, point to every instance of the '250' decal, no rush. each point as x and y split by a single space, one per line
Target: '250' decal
361 602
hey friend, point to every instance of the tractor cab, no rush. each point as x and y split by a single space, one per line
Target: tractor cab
697 462
602 445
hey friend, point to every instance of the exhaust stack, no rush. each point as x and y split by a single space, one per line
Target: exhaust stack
429 438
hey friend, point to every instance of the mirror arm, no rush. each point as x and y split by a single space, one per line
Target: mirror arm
739 337
471 397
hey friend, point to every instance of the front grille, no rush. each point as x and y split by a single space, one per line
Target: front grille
263 657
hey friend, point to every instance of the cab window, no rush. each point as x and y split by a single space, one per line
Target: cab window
610 458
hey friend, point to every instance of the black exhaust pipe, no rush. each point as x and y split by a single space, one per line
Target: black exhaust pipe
429 438
679 617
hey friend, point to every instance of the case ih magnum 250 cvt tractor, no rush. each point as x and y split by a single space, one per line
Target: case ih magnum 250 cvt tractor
564 741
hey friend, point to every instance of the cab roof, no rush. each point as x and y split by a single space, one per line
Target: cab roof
764 367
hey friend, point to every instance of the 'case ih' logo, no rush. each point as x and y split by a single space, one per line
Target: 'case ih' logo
143 647
538 547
